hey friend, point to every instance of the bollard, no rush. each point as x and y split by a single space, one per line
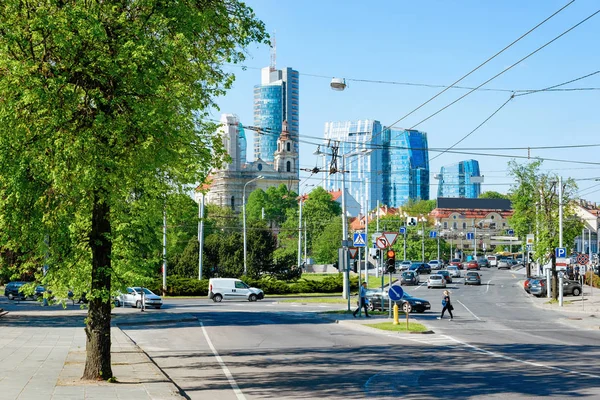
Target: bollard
560 288
396 314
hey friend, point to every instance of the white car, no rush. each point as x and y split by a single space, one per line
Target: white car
435 264
454 271
436 281
134 297
404 265
232 289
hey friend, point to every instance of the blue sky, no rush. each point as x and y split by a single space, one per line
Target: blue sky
436 42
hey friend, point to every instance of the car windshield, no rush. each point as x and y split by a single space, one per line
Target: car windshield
408 275
436 277
443 272
146 290
455 260
472 274
433 262
453 268
417 265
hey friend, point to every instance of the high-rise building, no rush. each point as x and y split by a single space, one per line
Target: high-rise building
460 180
407 160
276 99
363 180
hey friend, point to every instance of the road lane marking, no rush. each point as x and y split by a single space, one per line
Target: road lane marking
488 286
513 275
417 288
467 308
232 382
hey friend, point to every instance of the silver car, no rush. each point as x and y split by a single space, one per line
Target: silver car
133 298
436 281
404 265
454 271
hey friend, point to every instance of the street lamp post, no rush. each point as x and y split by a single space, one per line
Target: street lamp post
438 240
244 219
200 233
422 218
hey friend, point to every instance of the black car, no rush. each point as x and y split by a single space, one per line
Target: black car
446 275
409 278
420 268
417 305
13 291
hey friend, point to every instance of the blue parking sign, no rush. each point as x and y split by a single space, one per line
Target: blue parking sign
560 252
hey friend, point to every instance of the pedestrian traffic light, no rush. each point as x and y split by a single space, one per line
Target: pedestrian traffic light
391 261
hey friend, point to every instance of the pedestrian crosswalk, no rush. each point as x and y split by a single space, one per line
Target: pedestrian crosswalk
432 340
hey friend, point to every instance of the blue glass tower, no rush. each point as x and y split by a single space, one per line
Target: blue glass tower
406 172
276 100
462 179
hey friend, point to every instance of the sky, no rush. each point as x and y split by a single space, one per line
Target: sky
437 42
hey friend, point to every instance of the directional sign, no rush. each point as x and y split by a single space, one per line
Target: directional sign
390 237
510 232
381 242
402 229
353 251
432 234
396 292
470 236
560 252
360 239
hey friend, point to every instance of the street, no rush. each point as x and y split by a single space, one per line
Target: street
499 345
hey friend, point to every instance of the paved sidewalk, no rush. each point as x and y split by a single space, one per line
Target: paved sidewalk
42 359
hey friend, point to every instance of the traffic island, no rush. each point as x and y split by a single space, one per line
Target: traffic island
413 327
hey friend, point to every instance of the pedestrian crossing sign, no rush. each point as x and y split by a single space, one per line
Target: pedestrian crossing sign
360 239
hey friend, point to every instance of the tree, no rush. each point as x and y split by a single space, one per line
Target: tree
102 107
318 210
326 245
275 202
534 199
187 262
419 207
490 194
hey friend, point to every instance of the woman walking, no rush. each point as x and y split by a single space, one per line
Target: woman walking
447 305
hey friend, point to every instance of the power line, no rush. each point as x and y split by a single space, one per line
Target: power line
560 84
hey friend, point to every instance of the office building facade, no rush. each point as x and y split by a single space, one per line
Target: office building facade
462 179
407 160
276 99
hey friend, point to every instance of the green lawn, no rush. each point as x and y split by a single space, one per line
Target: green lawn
401 327
334 300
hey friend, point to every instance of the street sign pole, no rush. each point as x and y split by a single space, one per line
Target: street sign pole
359 284
560 288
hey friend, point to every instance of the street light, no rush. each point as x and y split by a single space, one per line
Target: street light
244 217
422 219
300 229
338 84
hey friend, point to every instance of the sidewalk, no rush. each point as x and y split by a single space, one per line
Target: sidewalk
582 311
44 359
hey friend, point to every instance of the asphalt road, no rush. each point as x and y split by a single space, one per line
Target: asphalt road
498 346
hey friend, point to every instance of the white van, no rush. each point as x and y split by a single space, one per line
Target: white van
231 289
493 261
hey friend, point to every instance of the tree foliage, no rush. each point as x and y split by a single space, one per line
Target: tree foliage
276 201
101 120
326 244
490 194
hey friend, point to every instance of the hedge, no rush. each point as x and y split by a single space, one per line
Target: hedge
179 286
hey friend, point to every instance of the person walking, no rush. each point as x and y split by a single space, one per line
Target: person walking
362 297
447 305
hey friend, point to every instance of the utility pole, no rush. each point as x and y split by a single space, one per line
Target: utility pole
560 212
300 235
200 236
164 280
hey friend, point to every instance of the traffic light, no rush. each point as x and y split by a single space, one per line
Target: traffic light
391 262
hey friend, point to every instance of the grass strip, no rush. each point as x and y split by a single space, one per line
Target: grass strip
401 327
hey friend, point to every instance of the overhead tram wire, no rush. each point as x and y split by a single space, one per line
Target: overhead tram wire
560 84
506 69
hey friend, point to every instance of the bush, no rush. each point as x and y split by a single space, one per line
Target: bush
595 279
181 286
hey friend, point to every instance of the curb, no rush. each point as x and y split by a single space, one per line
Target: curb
156 321
364 328
2 312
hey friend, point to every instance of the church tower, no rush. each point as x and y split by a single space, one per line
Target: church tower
286 156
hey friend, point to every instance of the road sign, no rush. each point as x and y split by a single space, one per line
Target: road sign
406 307
402 230
510 232
360 239
560 252
411 221
583 259
470 236
432 234
390 237
381 242
396 292
529 247
353 251
530 238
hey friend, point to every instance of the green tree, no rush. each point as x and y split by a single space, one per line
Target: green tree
490 194
318 210
326 245
419 207
276 201
187 262
534 199
102 107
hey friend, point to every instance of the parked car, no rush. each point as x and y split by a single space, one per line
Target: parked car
435 264
375 302
457 263
446 275
472 265
472 278
436 281
409 278
231 289
420 268
538 287
404 265
492 261
527 283
454 271
483 262
13 290
133 298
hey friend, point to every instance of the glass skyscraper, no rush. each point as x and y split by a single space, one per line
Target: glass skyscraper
365 169
460 180
407 161
276 100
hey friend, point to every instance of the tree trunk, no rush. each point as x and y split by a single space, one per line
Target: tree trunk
97 363
554 281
